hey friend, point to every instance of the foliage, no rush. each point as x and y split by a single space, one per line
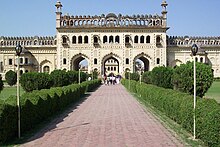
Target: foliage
1 84
161 76
11 77
37 106
60 78
147 77
35 81
179 107
183 78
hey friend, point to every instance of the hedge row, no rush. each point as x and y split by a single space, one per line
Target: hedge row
36 81
38 106
179 107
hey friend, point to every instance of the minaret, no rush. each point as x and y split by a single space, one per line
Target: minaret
164 12
58 13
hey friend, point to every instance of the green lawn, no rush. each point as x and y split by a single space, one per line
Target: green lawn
214 91
8 91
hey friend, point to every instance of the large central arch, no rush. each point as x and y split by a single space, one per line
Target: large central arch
110 67
75 61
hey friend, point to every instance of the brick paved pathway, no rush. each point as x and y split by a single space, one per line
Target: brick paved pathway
109 117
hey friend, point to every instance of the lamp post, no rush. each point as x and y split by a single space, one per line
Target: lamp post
79 73
194 50
129 77
18 50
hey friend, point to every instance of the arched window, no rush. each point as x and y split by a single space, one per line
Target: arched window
21 60
26 71
148 39
142 39
21 72
111 39
86 39
196 59
127 61
117 40
201 60
158 60
158 39
127 39
136 39
46 69
26 61
95 61
64 40
80 39
64 60
105 39
10 61
95 39
74 39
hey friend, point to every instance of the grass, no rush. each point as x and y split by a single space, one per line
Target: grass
9 91
214 91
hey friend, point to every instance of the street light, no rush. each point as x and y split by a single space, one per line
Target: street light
194 50
129 86
79 73
18 50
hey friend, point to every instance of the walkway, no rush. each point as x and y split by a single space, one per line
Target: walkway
109 117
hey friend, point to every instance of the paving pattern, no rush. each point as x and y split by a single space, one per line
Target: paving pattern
109 117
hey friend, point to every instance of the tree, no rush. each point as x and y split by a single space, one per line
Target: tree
162 76
1 83
11 77
183 78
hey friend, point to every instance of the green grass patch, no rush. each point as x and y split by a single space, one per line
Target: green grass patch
214 91
9 91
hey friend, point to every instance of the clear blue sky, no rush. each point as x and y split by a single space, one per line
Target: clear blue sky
37 17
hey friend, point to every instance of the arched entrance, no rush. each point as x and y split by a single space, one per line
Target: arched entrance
110 64
79 61
141 63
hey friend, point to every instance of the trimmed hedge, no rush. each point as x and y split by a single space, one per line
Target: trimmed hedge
179 107
38 106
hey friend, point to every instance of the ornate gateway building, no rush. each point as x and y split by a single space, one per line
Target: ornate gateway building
109 43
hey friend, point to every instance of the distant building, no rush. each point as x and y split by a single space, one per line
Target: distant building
110 43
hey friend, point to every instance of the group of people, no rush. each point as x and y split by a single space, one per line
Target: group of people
111 79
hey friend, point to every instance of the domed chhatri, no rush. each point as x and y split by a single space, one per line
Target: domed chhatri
111 15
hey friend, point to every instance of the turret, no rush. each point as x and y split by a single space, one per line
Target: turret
58 13
164 12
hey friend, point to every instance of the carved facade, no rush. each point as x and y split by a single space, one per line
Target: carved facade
110 43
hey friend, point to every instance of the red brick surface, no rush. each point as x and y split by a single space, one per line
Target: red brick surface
109 117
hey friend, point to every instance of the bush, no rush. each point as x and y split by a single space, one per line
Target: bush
1 84
147 77
11 77
161 76
60 78
183 78
179 107
35 81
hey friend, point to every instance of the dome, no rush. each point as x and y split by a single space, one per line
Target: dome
111 15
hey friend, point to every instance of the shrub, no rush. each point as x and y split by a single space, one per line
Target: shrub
161 76
60 78
11 77
35 81
179 107
147 77
1 84
183 78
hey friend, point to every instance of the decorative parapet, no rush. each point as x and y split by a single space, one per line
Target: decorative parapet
112 20
28 41
189 41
